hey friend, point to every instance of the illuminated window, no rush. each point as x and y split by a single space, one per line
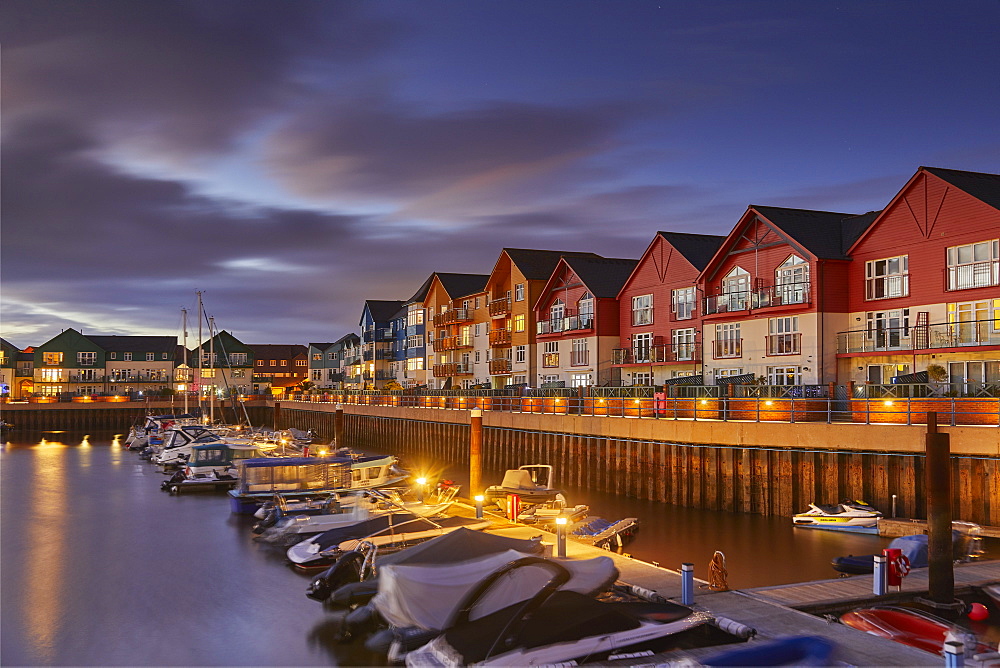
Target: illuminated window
52 358
519 322
86 359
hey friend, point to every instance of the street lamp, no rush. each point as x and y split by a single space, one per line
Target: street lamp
560 536
479 506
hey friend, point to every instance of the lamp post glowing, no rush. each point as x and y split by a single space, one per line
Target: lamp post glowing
560 536
420 489
479 506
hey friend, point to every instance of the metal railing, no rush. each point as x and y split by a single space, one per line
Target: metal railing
971 333
657 354
567 323
783 294
975 275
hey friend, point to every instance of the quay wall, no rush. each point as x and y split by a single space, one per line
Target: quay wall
764 468
111 416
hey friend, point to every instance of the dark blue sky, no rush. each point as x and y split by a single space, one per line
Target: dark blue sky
292 159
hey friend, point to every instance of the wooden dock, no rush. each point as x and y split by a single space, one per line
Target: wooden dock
894 527
775 612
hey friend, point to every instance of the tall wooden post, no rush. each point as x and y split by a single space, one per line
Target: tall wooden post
941 574
277 415
475 451
338 426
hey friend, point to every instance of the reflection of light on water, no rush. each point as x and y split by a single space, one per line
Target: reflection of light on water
116 442
85 443
46 505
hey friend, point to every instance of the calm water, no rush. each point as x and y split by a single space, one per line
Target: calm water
99 567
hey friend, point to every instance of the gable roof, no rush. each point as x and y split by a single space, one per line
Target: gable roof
537 265
461 285
603 276
421 292
276 351
136 344
382 310
820 232
697 249
320 346
984 187
347 338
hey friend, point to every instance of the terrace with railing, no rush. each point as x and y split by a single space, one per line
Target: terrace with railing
500 307
971 333
452 316
500 338
766 297
569 323
657 354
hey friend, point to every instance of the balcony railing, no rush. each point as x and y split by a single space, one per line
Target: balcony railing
656 354
976 275
335 377
579 358
445 343
726 348
452 316
384 375
380 334
642 316
500 337
452 369
775 295
500 367
971 333
567 323
784 344
500 307
385 354
683 311
550 360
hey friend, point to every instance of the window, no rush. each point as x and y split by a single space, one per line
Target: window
579 380
783 337
112 356
727 340
416 341
331 356
260 362
974 323
644 378
317 357
127 357
579 355
682 303
974 265
52 358
682 341
791 281
239 373
465 305
736 290
550 378
585 308
519 322
887 278
556 313
415 317
550 358
641 344
784 375
519 353
642 310
415 364
53 376
88 374
284 362
86 359
274 362
477 356
301 362
240 359
208 373
519 292
520 380
163 356
478 302
726 373
887 329
317 374
150 357
479 329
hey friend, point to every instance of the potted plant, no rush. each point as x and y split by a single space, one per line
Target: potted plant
937 377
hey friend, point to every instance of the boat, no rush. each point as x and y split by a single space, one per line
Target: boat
911 627
576 626
531 483
600 532
394 530
179 442
966 545
456 546
304 477
152 429
848 515
212 466
790 651
285 524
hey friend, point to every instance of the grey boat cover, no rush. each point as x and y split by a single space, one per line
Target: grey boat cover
460 545
426 596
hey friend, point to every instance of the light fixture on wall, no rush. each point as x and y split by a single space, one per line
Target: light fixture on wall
861 368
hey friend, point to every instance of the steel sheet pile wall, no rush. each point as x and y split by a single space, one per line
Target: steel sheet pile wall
119 418
767 481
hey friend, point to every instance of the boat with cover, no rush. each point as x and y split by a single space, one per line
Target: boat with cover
179 441
848 515
304 477
393 530
531 483
911 627
790 651
966 545
576 626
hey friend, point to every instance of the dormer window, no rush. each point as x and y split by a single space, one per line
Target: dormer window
585 308
736 289
791 281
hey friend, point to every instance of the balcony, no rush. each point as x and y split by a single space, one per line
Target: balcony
783 344
500 338
969 334
500 367
85 378
975 275
568 323
452 316
379 334
385 354
500 307
656 354
550 360
445 343
776 295
728 348
335 377
451 369
384 375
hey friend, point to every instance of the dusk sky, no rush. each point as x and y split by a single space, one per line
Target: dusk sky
292 159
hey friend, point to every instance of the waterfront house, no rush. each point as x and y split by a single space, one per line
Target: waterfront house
577 321
451 302
72 363
660 310
279 366
376 340
411 354
8 367
514 285
24 374
319 365
353 361
924 285
224 365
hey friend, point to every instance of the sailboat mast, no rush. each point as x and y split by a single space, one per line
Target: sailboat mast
211 357
187 379
201 352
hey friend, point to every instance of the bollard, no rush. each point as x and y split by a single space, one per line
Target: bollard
560 536
687 584
879 586
479 507
420 489
954 654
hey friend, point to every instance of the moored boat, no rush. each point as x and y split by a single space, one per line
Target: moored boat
910 627
848 515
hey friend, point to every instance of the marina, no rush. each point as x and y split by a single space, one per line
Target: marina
129 570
